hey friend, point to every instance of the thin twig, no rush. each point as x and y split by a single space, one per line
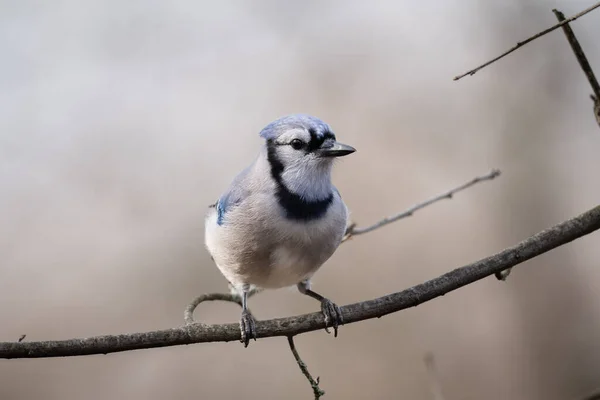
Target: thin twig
531 247
579 54
188 314
353 230
583 62
314 383
532 38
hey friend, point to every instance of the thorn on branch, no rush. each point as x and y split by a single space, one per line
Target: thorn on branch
314 383
502 275
22 337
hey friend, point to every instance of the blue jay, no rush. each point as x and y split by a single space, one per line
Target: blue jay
281 217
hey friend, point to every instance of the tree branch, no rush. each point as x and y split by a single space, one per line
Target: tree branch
188 314
353 230
313 383
233 297
579 54
533 246
583 63
532 38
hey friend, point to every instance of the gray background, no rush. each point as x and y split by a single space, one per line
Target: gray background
121 121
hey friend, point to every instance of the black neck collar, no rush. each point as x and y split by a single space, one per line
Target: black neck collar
295 206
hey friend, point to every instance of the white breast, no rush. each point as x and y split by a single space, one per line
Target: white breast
304 247
289 266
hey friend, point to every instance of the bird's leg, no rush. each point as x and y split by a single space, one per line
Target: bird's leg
247 324
331 312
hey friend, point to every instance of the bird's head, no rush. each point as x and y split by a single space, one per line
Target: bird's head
301 150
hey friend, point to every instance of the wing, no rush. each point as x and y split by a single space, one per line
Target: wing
233 196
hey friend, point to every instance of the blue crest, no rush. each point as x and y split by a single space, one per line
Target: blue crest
283 124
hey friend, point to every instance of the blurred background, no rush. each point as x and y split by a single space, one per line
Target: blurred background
120 122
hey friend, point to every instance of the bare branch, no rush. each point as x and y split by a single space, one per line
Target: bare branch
313 383
353 230
579 54
188 314
532 38
583 63
533 246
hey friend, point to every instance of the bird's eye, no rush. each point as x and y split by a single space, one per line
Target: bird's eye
297 144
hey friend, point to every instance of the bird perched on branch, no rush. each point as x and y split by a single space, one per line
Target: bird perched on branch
281 217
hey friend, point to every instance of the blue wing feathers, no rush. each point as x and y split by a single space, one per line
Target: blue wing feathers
232 197
221 208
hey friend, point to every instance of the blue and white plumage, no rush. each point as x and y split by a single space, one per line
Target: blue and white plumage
281 218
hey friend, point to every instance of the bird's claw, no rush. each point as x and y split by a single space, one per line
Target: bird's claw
247 327
333 316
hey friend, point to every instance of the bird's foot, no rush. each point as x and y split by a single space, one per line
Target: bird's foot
247 327
333 315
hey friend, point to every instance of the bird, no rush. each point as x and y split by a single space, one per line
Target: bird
281 218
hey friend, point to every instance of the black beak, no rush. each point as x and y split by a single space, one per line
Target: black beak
336 150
